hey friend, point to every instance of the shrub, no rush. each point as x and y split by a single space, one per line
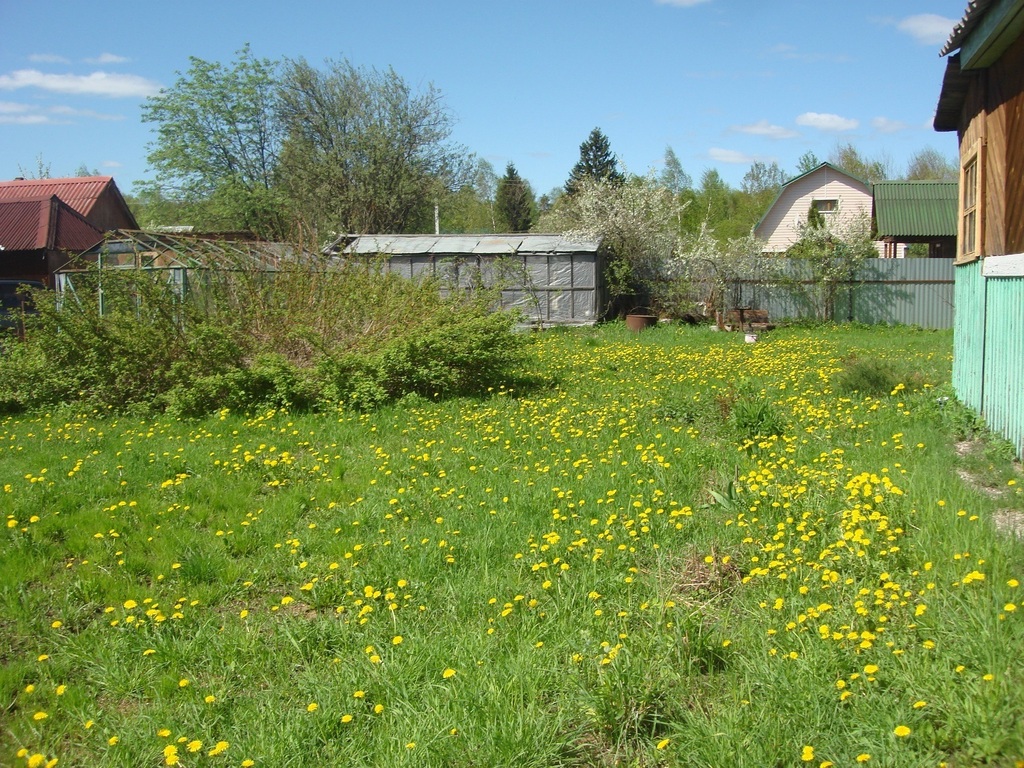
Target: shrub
305 337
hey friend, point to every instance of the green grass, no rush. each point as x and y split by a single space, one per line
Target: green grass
676 549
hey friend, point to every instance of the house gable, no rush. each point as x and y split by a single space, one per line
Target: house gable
780 226
96 198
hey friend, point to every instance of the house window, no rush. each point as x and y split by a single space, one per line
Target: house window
826 206
969 197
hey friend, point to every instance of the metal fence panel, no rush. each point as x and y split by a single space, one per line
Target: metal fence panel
908 291
1003 386
969 335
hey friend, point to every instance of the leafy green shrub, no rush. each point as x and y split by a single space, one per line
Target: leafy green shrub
306 337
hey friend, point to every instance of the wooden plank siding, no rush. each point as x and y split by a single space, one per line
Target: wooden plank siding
1013 112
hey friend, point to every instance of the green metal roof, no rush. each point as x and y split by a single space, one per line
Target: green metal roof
915 208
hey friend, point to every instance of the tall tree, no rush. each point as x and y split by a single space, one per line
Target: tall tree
806 163
673 177
931 165
218 141
364 152
597 161
849 158
514 201
759 188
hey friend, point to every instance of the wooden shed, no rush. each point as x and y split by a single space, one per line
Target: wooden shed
551 279
982 99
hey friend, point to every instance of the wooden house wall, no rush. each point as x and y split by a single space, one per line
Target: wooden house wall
25 265
1012 108
993 118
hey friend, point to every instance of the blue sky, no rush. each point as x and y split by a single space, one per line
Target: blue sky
723 82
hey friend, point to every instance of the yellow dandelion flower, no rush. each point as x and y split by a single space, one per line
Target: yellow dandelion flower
411 745
901 731
164 733
378 708
312 707
40 716
662 744
194 746
863 757
807 754
346 718
183 683
210 699
920 704
113 740
448 673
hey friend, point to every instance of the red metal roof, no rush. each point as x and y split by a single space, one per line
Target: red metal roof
44 222
83 193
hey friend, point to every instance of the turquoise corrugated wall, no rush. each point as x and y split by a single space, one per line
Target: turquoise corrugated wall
1003 399
988 349
969 334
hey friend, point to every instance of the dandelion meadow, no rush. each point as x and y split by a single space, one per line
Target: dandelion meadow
671 548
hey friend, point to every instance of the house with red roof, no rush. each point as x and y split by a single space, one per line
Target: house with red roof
44 222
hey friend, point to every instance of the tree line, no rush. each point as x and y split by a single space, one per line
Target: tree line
289 150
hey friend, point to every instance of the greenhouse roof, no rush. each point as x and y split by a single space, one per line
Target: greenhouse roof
453 245
161 250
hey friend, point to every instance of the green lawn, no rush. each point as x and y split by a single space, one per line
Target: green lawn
675 549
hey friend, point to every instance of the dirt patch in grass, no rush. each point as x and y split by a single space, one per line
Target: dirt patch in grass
694 578
1010 522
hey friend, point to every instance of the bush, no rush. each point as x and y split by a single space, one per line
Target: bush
306 337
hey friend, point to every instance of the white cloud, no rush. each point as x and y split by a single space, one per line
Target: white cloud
764 128
826 121
14 113
681 3
927 28
110 164
72 112
885 125
36 119
730 156
97 83
108 58
47 58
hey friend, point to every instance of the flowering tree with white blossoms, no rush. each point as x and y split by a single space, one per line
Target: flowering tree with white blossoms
637 223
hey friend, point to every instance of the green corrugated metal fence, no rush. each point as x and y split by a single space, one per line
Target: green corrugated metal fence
988 349
896 291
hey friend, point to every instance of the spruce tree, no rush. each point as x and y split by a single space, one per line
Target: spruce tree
596 161
514 201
